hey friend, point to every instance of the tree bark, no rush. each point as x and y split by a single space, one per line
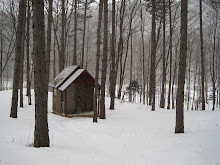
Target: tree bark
104 61
153 56
14 104
96 93
28 53
41 137
75 34
202 57
171 54
62 52
113 69
21 81
48 48
143 55
162 100
84 32
182 69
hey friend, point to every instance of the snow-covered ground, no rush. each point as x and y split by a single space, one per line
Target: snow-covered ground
131 135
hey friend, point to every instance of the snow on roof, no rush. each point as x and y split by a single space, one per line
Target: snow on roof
63 75
71 79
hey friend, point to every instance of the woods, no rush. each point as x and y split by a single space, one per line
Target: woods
160 53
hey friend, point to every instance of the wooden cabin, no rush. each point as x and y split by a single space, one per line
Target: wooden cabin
73 91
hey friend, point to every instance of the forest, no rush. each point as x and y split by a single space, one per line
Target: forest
163 53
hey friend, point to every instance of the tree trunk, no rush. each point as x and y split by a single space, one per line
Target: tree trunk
131 69
22 61
120 45
1 62
202 57
28 53
84 32
48 48
14 104
62 52
143 55
104 61
96 93
182 69
112 73
153 56
41 137
162 100
54 58
171 54
75 34
213 62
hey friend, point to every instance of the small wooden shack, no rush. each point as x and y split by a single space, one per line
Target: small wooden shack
73 91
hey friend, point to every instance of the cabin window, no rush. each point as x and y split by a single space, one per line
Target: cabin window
55 91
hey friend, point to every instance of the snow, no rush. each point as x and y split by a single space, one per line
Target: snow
131 135
61 77
71 79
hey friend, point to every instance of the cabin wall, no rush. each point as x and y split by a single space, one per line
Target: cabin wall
71 99
84 97
57 106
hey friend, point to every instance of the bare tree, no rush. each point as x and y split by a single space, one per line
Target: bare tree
41 136
28 53
153 57
162 100
113 69
48 47
14 104
84 32
104 61
75 34
96 93
171 54
182 69
21 81
62 52
202 57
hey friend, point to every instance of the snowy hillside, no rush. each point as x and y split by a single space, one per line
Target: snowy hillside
131 135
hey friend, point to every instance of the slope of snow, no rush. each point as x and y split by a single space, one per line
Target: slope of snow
131 135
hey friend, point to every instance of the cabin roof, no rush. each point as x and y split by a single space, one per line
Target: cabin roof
71 79
63 76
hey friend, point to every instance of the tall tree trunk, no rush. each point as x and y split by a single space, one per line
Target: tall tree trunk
123 65
54 58
194 86
84 32
87 46
120 45
28 53
113 69
171 54
14 104
22 61
75 34
153 56
48 48
213 61
62 52
96 93
131 68
104 61
202 57
1 58
189 79
41 137
162 100
143 55
182 69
